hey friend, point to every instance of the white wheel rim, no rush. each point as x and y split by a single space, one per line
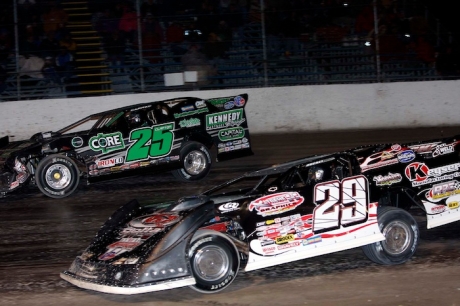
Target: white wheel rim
58 176
211 263
397 237
195 162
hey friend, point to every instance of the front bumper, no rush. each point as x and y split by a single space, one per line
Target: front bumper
126 290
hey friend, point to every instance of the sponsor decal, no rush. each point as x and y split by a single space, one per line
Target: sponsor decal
143 233
442 191
387 180
224 119
105 163
229 105
218 102
77 142
239 101
285 239
424 148
159 220
126 243
406 156
444 148
419 173
230 206
186 123
139 108
276 203
438 209
187 108
111 253
191 113
200 104
312 240
107 142
288 245
231 133
452 205
381 159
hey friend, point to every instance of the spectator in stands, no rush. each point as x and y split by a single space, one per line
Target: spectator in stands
5 45
424 50
213 48
65 64
195 60
68 43
128 24
365 21
115 46
106 23
152 36
30 67
29 47
224 33
49 46
176 40
54 18
448 63
149 7
50 72
3 78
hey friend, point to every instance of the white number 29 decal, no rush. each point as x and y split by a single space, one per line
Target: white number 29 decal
340 203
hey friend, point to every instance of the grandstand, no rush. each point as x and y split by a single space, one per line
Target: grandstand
76 48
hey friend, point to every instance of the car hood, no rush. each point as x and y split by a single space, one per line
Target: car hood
8 148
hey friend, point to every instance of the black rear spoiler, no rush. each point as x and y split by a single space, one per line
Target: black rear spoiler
4 141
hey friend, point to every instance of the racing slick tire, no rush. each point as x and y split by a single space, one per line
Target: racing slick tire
57 176
196 162
401 237
214 262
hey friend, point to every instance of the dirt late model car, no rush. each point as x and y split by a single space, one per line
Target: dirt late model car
174 134
362 197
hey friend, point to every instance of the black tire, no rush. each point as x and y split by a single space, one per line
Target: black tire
196 161
401 237
57 176
214 263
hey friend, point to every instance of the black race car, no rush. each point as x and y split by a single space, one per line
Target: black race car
174 134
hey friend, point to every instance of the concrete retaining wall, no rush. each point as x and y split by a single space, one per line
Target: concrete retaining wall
271 110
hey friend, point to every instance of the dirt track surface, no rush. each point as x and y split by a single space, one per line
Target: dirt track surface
40 236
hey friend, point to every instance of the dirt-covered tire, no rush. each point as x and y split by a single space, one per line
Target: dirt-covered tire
401 237
57 176
214 262
196 162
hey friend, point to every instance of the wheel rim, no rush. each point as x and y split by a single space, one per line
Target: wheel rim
211 263
58 176
397 237
195 162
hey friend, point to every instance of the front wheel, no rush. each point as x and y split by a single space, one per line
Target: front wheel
401 237
57 176
196 162
214 263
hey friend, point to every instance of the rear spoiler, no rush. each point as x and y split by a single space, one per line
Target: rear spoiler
4 141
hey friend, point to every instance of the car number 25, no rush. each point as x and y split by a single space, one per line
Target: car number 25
150 142
340 203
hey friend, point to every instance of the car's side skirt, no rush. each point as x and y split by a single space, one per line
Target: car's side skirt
176 283
302 251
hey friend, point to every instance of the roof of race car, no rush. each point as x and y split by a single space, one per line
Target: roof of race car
280 168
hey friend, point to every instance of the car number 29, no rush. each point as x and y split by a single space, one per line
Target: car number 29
340 203
150 142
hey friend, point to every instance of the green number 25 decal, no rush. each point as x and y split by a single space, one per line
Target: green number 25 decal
155 141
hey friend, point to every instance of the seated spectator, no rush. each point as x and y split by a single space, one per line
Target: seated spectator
29 47
195 60
448 63
65 64
68 43
31 67
50 72
213 48
128 24
424 51
49 46
115 46
175 40
107 23
53 18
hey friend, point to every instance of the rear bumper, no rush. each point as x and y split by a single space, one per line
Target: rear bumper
126 290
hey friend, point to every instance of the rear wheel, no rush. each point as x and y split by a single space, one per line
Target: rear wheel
214 262
196 162
57 176
401 237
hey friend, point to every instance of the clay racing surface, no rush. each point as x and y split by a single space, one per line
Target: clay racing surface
40 237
